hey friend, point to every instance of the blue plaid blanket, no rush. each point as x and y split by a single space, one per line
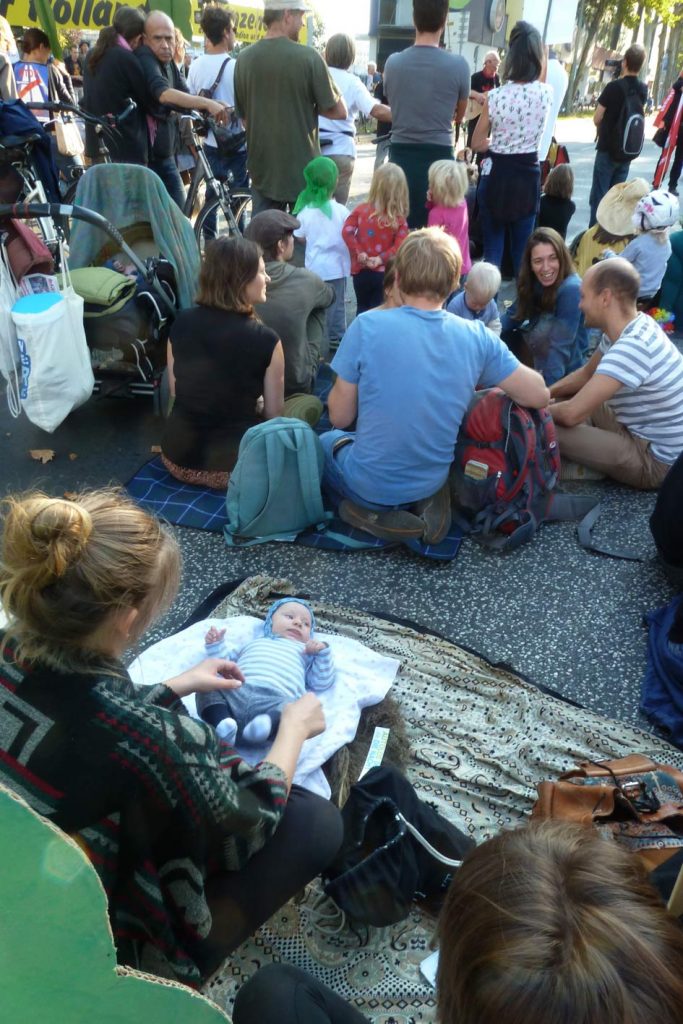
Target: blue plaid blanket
156 490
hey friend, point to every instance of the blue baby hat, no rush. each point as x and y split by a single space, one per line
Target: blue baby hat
268 624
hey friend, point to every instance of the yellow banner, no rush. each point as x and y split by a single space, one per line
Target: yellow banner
249 26
92 15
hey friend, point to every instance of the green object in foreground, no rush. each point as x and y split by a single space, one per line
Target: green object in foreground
49 26
57 958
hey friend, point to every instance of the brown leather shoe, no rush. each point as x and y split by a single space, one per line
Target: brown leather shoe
392 524
435 513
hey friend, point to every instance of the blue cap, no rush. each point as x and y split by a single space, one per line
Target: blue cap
268 624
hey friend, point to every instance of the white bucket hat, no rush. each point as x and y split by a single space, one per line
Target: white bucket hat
285 5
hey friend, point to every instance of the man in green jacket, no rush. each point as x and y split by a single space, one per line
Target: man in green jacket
294 308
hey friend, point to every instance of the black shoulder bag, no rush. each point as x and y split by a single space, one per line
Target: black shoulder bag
396 848
229 140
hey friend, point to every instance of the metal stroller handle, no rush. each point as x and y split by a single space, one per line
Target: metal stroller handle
26 211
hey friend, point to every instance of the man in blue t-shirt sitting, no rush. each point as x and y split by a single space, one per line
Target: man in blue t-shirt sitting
406 377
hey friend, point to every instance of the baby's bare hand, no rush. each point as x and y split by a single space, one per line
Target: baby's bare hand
314 647
214 636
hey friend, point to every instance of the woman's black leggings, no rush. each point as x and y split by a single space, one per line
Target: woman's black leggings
282 994
306 841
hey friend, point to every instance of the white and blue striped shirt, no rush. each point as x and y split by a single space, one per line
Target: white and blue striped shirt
279 664
650 403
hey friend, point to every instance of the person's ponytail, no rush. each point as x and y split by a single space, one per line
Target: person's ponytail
129 22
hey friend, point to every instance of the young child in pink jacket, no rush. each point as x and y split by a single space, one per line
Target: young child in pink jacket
448 184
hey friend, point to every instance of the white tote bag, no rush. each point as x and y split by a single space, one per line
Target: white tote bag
9 352
56 374
68 137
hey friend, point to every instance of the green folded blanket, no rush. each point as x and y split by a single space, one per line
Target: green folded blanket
103 291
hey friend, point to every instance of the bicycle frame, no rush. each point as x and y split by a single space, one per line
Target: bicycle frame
203 172
34 193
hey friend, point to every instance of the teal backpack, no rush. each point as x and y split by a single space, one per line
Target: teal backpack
274 490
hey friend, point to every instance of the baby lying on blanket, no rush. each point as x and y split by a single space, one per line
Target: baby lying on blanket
277 667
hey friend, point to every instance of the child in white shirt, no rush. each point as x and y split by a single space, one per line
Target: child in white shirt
322 219
649 251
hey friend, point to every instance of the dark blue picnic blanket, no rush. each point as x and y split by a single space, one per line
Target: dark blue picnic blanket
156 490
662 692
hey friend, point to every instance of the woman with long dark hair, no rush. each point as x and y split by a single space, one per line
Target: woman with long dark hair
508 133
544 327
222 361
111 76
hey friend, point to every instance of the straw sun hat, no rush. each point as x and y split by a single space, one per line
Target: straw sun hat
616 209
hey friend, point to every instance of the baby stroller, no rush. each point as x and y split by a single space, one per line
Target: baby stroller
152 243
132 335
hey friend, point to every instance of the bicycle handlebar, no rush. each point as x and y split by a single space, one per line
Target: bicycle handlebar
107 121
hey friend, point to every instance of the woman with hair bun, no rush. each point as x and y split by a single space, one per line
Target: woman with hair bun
195 848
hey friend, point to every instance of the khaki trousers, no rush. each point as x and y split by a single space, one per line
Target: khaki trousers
345 165
603 443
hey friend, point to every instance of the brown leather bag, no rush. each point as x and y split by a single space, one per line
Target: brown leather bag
26 251
635 799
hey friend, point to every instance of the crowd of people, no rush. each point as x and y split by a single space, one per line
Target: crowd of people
206 847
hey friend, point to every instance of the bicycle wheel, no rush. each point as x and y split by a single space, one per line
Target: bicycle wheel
214 221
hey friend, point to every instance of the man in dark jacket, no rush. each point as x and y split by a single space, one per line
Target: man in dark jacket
168 89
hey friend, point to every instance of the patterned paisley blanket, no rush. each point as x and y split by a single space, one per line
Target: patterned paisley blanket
481 739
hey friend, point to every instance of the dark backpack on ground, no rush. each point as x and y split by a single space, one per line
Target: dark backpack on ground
506 467
628 134
381 867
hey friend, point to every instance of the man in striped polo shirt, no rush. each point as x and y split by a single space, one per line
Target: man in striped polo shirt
622 413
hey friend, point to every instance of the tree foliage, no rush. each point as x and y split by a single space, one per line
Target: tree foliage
319 31
601 22
607 15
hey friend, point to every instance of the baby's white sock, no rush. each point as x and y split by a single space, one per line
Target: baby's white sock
227 730
258 730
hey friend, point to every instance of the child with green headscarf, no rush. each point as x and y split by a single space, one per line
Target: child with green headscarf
327 255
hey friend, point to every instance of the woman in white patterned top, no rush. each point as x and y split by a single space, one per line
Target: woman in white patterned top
508 132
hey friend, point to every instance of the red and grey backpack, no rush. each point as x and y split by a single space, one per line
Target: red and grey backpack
506 467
